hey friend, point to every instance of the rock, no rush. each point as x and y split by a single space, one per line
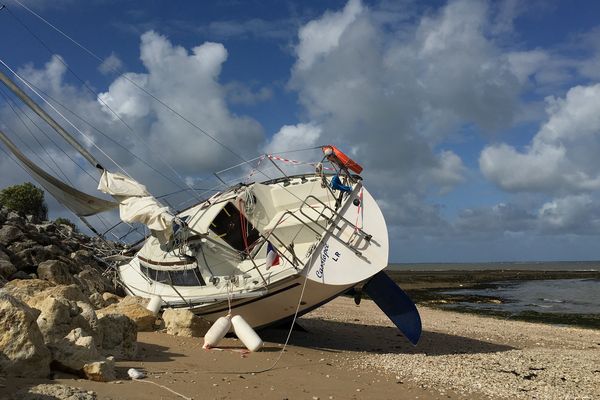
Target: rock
31 256
53 392
54 250
74 351
3 255
110 298
20 275
7 268
132 307
35 292
22 348
91 281
55 271
58 317
9 234
15 218
101 371
97 301
183 322
24 289
118 335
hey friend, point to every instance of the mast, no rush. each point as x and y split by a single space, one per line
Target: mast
46 117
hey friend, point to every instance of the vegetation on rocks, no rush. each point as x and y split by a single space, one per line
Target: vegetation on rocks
25 199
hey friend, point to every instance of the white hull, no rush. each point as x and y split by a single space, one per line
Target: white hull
324 248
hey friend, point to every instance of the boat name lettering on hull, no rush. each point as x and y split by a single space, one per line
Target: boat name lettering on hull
324 257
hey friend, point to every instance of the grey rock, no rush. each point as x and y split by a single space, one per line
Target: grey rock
3 255
118 336
15 218
22 348
54 392
96 300
9 234
55 271
7 268
91 281
19 275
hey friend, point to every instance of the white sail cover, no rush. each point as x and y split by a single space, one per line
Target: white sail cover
136 204
79 202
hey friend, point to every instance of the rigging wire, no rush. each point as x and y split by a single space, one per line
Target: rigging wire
82 119
89 139
25 143
49 138
113 112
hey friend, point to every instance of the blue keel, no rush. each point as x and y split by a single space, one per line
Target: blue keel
396 304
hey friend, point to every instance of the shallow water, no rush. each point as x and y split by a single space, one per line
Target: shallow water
525 265
566 296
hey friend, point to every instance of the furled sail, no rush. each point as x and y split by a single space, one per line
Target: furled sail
79 202
136 204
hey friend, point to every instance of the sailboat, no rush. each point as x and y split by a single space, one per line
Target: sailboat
268 248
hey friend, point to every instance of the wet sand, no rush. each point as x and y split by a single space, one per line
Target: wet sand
353 352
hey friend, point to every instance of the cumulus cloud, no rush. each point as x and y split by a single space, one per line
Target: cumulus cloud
562 157
111 64
393 94
294 137
188 83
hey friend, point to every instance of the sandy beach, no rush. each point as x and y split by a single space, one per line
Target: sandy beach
353 352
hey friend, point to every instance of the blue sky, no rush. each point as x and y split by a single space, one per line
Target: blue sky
478 122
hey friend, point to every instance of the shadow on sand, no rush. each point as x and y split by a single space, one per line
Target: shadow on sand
344 336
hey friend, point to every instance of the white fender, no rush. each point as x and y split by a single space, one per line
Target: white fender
217 331
246 334
154 304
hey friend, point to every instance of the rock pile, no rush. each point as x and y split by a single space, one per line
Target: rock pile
58 311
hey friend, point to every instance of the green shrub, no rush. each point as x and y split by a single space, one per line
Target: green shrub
65 221
26 199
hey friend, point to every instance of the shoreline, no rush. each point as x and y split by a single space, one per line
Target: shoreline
428 287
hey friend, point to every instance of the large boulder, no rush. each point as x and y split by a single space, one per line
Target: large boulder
9 234
90 280
60 316
134 308
74 351
117 336
22 348
55 271
7 268
182 322
25 289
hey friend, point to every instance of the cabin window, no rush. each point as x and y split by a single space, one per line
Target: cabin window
186 277
228 226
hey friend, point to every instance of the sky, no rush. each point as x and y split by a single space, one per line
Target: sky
477 122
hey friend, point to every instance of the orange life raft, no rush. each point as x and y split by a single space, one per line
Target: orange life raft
343 161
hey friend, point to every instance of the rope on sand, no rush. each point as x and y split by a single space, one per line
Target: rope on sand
164 387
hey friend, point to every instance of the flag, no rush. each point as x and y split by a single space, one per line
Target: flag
272 256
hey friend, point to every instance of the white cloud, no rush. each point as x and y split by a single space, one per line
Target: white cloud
294 137
393 94
319 37
111 64
188 83
562 156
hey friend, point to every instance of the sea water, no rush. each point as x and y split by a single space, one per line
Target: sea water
567 296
